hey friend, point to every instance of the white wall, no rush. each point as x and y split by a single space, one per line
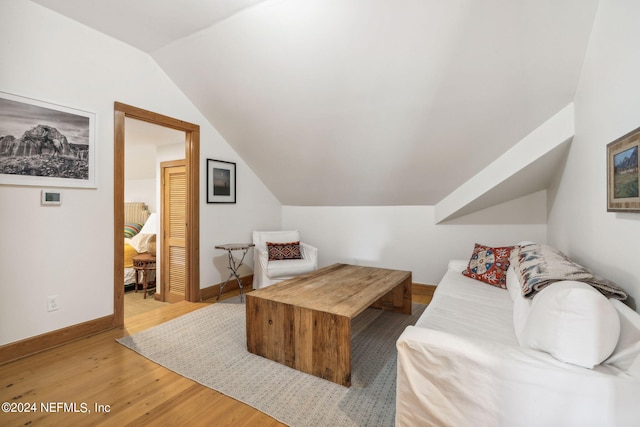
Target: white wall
607 106
141 190
406 237
68 250
140 169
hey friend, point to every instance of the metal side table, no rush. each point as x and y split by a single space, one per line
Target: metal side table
230 247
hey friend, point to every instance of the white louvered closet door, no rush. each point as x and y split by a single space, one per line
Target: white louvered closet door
174 268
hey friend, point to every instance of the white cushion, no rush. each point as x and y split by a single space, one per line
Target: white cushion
513 281
513 284
521 310
626 355
140 242
521 304
285 268
573 322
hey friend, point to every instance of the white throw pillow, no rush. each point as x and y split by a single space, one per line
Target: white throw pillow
521 304
513 284
140 242
573 322
626 355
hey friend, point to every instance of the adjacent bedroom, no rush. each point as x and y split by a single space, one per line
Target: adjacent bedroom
152 153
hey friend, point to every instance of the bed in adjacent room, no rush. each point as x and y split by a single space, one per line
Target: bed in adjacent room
135 243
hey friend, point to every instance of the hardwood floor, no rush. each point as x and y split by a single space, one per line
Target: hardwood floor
135 303
96 381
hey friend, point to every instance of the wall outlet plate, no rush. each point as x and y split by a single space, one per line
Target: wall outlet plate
52 303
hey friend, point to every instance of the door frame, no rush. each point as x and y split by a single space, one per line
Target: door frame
192 159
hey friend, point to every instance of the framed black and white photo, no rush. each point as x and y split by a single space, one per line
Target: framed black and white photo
45 144
221 181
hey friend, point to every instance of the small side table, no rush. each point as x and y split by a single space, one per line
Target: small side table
230 247
143 264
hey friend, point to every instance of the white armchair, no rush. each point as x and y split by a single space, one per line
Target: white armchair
267 272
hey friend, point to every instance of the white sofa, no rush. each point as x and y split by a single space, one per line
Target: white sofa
462 364
268 272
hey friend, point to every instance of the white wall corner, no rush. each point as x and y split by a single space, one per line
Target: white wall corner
523 169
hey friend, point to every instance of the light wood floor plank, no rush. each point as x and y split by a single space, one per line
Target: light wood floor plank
98 370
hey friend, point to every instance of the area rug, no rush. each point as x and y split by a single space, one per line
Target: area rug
209 347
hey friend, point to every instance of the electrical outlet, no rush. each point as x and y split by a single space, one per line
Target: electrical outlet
52 303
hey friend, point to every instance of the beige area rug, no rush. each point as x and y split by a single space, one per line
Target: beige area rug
209 347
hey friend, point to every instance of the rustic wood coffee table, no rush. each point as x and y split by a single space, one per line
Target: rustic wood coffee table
305 322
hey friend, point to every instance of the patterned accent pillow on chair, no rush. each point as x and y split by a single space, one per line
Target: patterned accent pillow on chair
489 265
279 251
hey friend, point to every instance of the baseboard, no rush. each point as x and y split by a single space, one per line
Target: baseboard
28 346
421 289
212 291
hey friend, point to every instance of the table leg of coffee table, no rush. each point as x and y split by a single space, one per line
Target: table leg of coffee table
308 340
397 300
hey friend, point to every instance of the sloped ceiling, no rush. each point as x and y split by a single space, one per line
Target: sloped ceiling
528 167
361 102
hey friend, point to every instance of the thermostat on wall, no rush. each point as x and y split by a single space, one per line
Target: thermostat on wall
51 197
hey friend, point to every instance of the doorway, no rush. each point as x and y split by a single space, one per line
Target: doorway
191 214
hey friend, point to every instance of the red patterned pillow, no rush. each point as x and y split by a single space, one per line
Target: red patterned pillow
489 265
278 251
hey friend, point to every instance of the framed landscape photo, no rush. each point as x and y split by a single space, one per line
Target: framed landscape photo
45 144
221 181
622 173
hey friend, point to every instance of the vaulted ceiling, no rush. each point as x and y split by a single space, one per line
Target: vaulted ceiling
361 102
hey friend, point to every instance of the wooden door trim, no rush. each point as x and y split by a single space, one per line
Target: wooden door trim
192 158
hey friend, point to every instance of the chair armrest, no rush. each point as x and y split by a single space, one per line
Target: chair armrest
261 258
309 252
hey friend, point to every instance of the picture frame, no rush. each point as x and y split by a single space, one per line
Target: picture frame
46 145
622 173
221 181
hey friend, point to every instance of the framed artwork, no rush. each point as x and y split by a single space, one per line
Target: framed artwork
221 181
45 144
622 173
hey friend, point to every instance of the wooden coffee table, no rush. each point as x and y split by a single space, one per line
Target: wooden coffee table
305 322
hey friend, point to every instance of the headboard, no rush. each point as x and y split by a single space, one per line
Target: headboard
135 212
